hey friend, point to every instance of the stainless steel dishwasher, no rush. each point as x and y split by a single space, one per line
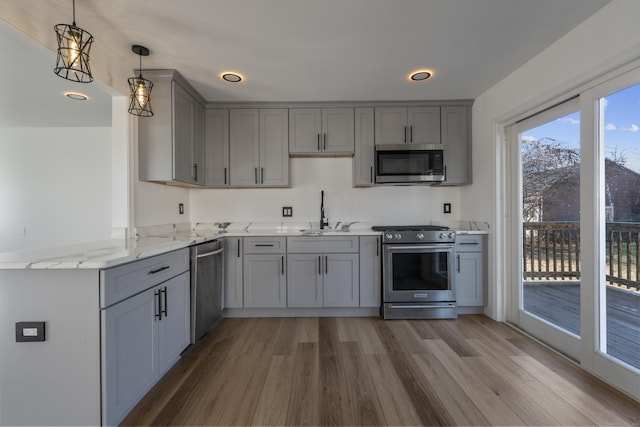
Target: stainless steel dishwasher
206 287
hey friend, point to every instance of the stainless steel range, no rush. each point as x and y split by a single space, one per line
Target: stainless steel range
418 279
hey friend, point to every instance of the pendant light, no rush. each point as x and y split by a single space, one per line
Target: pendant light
74 44
140 88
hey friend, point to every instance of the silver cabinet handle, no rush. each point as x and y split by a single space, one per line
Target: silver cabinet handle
238 248
319 265
326 264
372 174
405 134
225 176
325 142
377 246
318 142
411 133
458 261
282 264
261 175
255 174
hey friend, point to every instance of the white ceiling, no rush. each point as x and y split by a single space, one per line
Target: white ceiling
288 50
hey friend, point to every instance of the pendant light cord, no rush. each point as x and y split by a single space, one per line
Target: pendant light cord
74 13
140 68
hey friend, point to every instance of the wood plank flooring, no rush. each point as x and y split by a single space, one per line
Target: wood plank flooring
368 371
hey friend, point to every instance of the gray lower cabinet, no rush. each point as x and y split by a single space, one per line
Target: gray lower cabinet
258 147
233 288
364 156
470 270
370 270
264 272
323 272
144 333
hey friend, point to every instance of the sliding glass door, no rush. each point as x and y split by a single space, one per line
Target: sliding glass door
575 228
547 297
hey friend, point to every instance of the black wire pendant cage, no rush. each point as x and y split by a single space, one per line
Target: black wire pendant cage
140 88
74 44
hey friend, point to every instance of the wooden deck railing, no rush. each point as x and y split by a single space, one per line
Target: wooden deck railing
552 252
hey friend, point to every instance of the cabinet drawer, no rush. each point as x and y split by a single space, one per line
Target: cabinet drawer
265 245
469 243
119 283
323 244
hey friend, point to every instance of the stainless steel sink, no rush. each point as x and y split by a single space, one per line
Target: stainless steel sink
311 232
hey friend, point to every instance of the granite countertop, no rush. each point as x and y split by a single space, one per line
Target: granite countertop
150 241
155 240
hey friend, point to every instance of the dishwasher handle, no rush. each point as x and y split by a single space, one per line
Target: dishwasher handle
207 254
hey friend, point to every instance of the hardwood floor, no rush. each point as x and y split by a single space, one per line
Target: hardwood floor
368 371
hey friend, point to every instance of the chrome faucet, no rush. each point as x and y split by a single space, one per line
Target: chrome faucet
345 227
324 221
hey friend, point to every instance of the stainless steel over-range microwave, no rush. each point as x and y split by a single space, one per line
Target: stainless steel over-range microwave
409 163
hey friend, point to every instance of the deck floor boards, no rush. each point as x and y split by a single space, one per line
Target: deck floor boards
560 305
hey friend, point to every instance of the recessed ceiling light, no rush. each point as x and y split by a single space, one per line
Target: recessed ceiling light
420 75
76 96
231 77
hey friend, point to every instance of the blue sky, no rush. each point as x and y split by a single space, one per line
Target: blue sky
622 127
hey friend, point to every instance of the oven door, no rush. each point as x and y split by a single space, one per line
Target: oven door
418 273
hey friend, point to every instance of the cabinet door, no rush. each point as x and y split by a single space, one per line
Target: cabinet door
184 143
455 139
337 130
174 329
424 125
265 281
233 272
304 272
244 147
217 148
363 159
130 346
274 148
391 125
469 280
341 280
305 127
370 290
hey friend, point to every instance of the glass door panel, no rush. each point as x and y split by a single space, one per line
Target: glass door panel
619 289
550 208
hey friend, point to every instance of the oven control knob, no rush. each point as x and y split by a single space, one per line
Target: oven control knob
442 236
389 236
398 236
452 235
420 236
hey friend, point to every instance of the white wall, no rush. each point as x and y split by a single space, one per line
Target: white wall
309 176
608 39
55 186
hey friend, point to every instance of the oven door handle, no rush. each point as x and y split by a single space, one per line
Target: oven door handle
435 305
412 248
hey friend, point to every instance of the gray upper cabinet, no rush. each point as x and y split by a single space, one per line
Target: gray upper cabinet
171 143
456 144
407 125
363 159
258 148
321 131
216 148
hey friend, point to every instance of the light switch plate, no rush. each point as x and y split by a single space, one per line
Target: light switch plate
287 211
447 208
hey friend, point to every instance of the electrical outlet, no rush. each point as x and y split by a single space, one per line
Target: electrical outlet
287 211
181 208
447 208
29 331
